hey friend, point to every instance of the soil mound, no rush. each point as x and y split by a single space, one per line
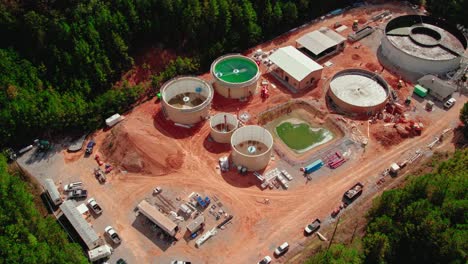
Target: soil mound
132 162
142 151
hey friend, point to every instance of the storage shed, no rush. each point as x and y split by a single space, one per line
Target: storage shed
295 68
84 230
439 89
158 218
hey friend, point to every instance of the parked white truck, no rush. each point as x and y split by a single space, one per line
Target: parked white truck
94 206
110 231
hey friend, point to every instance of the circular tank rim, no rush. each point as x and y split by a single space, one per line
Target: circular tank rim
235 84
251 156
199 107
431 21
381 81
224 132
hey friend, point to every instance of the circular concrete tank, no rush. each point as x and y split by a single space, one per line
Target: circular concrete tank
414 46
186 100
235 76
359 91
251 147
223 126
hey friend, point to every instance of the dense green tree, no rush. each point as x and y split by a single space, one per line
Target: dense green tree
26 236
290 14
337 254
464 119
424 222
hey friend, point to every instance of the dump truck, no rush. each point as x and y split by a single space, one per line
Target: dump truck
354 192
94 206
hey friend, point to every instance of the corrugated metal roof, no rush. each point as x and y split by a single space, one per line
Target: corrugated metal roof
82 227
294 62
332 34
52 189
196 224
437 87
319 40
157 217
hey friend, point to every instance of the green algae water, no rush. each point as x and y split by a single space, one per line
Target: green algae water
301 137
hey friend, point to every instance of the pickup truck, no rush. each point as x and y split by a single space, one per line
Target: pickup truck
94 206
309 229
110 231
100 176
449 103
90 146
265 260
80 193
282 249
73 186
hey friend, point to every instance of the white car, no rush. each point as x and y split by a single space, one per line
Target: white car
110 231
449 103
265 260
73 186
180 262
282 249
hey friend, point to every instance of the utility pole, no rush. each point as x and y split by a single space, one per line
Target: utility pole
334 231
354 232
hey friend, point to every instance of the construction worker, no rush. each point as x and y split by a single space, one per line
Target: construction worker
400 84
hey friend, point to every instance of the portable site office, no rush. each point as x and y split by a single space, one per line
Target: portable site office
52 191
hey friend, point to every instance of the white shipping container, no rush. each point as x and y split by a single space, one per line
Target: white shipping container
111 121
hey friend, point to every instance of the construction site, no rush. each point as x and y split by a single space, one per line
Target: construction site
226 166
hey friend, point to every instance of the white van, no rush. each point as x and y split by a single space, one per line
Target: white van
100 252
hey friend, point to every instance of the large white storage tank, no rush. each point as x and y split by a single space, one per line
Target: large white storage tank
235 76
359 92
414 46
186 100
223 126
251 147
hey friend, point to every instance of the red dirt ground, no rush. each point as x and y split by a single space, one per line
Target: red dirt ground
186 158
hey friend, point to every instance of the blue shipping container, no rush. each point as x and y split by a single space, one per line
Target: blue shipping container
313 166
